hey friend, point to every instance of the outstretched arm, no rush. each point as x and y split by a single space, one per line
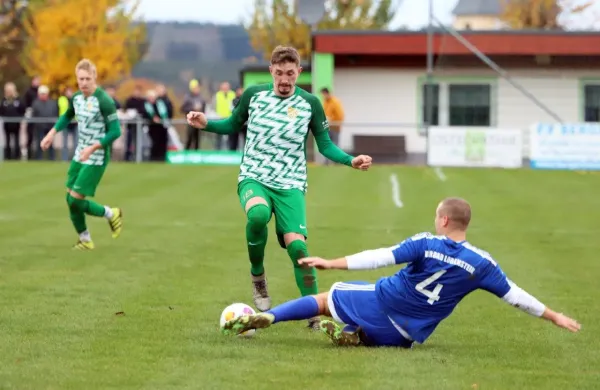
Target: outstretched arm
327 148
238 117
320 128
496 282
64 119
408 251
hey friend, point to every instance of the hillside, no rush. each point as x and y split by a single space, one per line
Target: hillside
179 51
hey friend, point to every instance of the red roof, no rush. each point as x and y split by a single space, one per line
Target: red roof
501 42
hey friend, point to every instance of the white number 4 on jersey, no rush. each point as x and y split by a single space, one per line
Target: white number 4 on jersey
434 295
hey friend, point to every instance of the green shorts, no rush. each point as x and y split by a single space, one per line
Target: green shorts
288 206
84 179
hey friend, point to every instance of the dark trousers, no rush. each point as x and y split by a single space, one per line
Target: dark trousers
160 140
39 134
193 138
130 142
234 140
12 135
30 138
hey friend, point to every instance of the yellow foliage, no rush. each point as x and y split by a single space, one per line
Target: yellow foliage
126 87
62 32
278 23
539 14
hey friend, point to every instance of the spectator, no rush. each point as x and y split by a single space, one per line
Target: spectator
44 107
157 114
161 93
13 108
335 115
223 102
193 101
71 130
234 139
30 96
111 91
135 102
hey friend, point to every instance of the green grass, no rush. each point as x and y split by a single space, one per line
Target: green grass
182 259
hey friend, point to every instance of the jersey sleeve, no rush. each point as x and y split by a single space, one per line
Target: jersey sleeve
111 120
320 129
409 250
494 280
238 117
66 118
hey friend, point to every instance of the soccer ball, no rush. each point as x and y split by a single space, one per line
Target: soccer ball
237 310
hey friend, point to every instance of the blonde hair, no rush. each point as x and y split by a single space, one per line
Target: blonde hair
11 87
86 65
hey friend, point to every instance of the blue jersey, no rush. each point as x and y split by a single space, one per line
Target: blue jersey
439 274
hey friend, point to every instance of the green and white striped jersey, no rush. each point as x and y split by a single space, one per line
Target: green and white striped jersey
93 114
278 129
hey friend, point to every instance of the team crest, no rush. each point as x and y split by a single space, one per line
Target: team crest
292 112
90 105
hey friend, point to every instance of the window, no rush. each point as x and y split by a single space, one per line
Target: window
591 103
431 96
469 104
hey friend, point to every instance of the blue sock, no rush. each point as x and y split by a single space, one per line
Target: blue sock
298 309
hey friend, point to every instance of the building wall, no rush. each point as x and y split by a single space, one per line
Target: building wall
389 101
477 22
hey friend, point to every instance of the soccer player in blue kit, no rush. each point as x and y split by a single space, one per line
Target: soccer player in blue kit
406 307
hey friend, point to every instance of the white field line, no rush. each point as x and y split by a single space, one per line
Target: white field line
440 174
396 191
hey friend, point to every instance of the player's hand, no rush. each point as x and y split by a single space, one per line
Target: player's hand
197 119
362 162
565 322
47 141
316 262
86 153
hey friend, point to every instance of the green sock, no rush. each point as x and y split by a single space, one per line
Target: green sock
93 208
88 207
77 216
256 236
306 278
256 249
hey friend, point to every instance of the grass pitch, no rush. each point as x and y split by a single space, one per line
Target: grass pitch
142 311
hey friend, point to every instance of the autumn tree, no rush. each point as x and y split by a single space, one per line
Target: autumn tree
62 32
540 14
13 37
277 22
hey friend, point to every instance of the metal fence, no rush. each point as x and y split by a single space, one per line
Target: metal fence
134 138
390 140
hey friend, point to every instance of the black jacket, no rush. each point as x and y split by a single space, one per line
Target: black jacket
12 108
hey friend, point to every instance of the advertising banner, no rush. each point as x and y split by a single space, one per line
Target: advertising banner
475 147
565 146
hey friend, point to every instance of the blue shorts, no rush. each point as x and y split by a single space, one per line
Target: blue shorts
355 304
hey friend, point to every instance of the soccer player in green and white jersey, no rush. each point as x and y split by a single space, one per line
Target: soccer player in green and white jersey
98 128
272 178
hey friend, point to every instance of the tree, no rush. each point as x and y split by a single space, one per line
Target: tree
540 14
277 22
62 32
13 37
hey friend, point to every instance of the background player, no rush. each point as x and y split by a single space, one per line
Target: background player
98 127
406 307
273 172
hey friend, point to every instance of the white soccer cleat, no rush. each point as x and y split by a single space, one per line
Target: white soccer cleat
260 293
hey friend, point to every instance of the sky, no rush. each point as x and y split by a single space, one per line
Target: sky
412 13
